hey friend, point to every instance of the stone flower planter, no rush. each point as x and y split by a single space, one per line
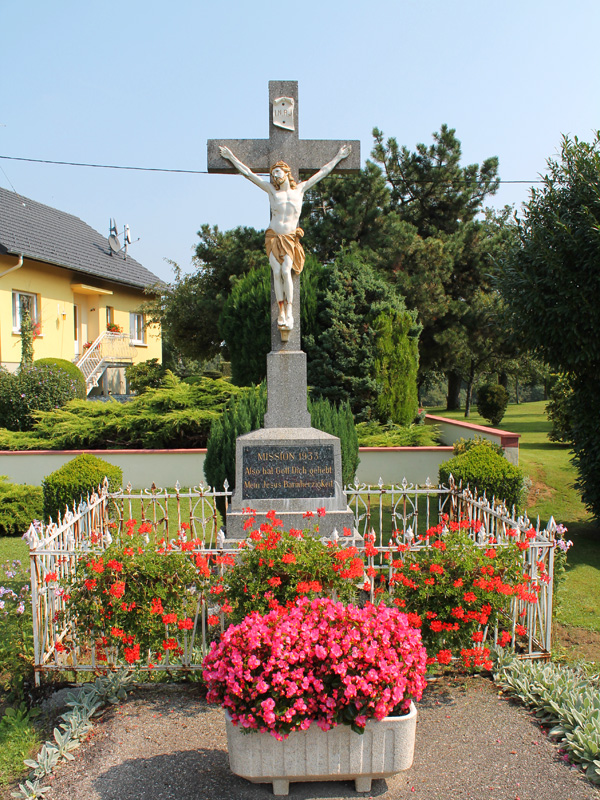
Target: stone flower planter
338 754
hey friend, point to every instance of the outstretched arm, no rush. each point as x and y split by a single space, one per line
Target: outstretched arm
243 169
343 152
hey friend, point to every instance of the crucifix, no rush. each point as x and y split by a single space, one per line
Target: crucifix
283 156
287 465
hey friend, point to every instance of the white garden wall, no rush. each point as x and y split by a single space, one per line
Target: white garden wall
164 468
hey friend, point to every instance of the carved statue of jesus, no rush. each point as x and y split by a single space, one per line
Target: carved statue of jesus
282 238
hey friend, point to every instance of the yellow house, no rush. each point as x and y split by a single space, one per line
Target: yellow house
83 297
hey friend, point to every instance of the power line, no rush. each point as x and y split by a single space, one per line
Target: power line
156 169
103 166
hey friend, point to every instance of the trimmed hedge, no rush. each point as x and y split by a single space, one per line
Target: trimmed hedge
483 469
20 504
67 486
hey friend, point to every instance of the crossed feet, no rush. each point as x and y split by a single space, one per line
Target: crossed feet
285 320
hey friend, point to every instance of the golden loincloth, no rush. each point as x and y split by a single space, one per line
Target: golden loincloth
286 244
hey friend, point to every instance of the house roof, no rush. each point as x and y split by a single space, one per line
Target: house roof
46 234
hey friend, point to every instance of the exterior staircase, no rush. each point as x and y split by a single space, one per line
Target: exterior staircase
108 350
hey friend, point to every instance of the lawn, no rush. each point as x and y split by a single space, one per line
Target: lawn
553 493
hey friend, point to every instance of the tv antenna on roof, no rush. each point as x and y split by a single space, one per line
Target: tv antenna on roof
113 239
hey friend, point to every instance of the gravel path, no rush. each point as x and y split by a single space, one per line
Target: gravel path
166 743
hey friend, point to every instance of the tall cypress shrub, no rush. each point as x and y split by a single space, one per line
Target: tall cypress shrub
396 367
338 421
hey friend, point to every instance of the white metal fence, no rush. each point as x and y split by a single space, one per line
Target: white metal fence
405 509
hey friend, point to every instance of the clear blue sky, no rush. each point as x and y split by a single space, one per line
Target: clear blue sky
147 83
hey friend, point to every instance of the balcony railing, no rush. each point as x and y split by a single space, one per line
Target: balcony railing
109 349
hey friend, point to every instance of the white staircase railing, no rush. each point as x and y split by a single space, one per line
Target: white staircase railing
109 349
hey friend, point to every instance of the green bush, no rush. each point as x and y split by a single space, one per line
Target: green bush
464 445
396 366
483 469
67 486
145 375
376 434
72 370
558 410
20 504
176 415
36 388
338 420
245 413
492 399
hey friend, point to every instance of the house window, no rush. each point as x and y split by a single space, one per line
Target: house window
137 325
110 315
22 301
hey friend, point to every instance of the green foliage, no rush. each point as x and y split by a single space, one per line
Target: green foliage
482 469
145 375
75 724
550 281
376 434
27 335
121 596
18 736
343 356
16 642
558 410
245 322
68 485
439 255
72 370
36 388
245 325
338 420
442 584
189 309
176 415
340 210
396 367
584 411
564 699
277 565
245 413
434 193
20 504
492 399
464 445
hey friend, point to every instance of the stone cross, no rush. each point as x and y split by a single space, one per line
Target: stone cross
286 378
284 143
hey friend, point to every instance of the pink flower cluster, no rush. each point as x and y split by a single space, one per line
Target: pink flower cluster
316 661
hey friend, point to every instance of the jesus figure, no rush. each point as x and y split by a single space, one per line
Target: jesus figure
282 238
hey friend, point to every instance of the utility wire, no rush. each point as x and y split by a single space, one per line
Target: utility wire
103 166
155 169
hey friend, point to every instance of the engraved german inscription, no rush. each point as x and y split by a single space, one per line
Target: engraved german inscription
273 471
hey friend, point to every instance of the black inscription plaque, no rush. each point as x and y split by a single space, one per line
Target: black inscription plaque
280 471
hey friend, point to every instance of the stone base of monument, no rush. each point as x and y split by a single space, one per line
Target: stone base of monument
292 471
